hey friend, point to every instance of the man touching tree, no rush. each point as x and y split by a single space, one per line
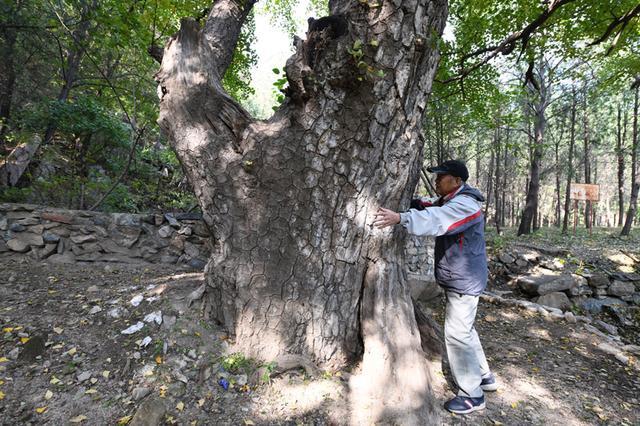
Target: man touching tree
457 221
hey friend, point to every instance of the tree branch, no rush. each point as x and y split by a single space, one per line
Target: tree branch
124 172
622 22
223 27
508 44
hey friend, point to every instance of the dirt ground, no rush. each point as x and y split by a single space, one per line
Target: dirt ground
64 360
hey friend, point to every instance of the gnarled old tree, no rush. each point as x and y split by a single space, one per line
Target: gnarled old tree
297 267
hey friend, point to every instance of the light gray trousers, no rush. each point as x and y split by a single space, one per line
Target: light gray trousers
464 350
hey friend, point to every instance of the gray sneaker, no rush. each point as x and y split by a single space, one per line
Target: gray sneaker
489 383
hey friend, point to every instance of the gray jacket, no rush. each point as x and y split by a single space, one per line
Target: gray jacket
457 221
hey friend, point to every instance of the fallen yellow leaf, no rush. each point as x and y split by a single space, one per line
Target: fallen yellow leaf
72 351
200 402
514 405
7 329
180 406
2 383
93 380
163 391
48 395
41 410
58 346
24 340
158 359
248 422
78 419
91 391
2 394
54 380
124 420
4 359
105 374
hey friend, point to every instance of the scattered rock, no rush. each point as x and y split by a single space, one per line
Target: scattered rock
595 305
34 348
172 221
197 264
53 217
556 300
16 227
154 317
18 245
598 280
84 376
544 284
95 310
14 353
82 239
50 237
134 328
65 258
150 413
139 393
165 231
117 312
611 329
621 288
506 258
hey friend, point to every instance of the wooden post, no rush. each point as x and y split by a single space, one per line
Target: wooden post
575 217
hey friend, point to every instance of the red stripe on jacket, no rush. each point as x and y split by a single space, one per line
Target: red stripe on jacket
465 220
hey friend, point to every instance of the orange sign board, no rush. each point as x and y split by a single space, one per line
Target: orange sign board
585 192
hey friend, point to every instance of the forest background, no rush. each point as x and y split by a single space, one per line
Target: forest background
532 96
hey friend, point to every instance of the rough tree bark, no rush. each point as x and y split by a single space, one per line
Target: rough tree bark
635 185
297 268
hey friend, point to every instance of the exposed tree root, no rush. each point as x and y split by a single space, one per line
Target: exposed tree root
431 334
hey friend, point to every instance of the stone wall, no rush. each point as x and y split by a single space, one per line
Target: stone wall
546 277
419 260
67 236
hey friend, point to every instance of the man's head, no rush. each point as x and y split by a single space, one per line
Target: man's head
450 175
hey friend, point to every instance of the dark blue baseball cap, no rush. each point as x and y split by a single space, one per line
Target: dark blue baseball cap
454 168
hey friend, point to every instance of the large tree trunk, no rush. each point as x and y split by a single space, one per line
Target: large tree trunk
297 267
635 185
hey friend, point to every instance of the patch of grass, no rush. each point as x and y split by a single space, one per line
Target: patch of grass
237 363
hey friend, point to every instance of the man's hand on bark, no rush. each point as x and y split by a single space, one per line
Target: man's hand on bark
385 217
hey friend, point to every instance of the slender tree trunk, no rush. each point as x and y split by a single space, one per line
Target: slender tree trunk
530 212
572 140
297 268
497 191
71 66
489 184
587 159
635 185
620 151
558 170
7 80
